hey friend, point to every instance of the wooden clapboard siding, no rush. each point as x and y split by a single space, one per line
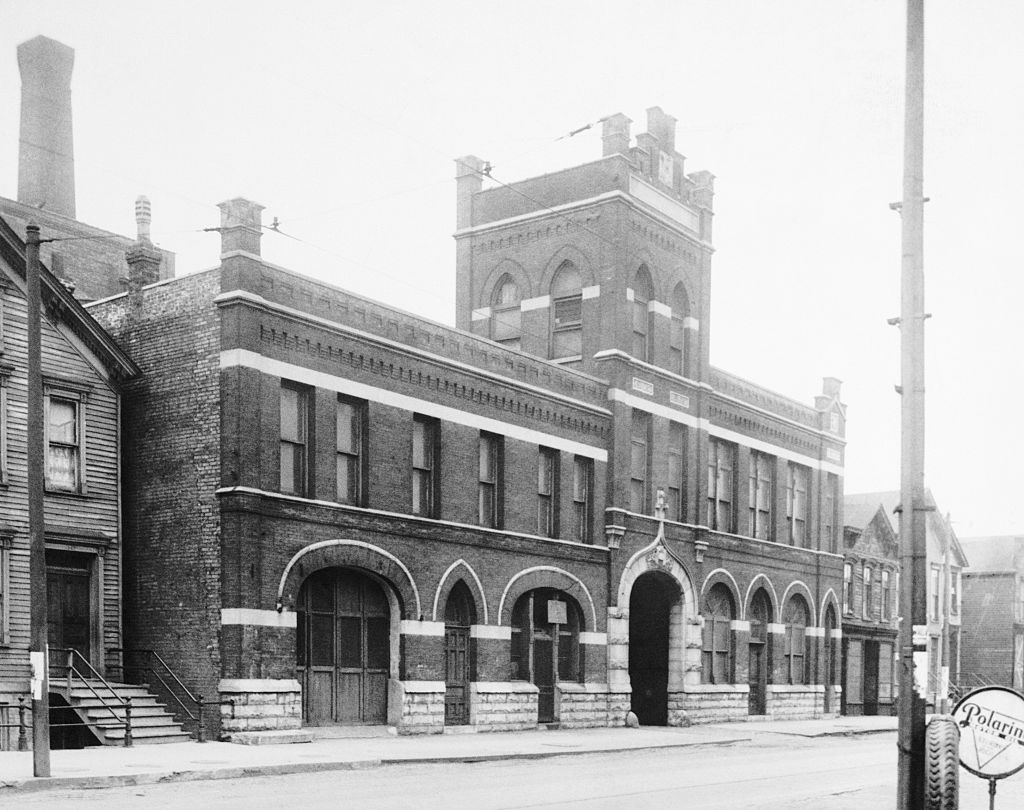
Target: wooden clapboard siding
94 513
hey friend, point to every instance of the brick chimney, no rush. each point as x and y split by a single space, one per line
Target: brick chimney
662 127
241 226
615 135
46 154
143 258
468 181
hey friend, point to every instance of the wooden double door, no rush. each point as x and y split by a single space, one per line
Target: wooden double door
343 648
69 607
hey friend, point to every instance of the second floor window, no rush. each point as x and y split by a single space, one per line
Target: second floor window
489 488
869 592
506 314
935 595
721 481
641 349
64 467
567 312
762 493
954 593
829 503
796 505
676 465
847 588
886 596
425 437
582 485
294 439
351 432
639 460
547 492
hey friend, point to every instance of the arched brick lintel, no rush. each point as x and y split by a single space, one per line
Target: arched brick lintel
547 576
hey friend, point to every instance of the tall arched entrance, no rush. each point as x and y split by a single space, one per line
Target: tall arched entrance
759 664
343 648
459 614
651 601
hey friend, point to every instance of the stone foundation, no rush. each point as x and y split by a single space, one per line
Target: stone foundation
253 704
708 703
416 707
804 702
582 705
502 705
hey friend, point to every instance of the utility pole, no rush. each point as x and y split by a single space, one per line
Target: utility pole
913 549
37 535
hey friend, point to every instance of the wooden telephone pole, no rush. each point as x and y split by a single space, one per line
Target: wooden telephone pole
913 547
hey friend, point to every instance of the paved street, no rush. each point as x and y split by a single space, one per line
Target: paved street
770 771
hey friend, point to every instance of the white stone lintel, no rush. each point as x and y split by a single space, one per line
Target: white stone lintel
241 685
691 323
591 292
815 631
257 618
658 308
492 631
739 625
412 628
776 628
502 687
481 314
539 302
572 687
421 687
592 638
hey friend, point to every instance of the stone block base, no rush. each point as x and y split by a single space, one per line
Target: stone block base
708 703
502 705
416 707
259 704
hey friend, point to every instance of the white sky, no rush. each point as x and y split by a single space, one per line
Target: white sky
344 118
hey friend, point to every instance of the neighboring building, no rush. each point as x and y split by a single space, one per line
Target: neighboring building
83 372
339 512
946 561
992 647
870 601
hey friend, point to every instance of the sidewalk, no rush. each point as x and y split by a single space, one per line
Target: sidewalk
104 766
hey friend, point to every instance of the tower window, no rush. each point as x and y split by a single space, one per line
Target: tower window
567 312
506 315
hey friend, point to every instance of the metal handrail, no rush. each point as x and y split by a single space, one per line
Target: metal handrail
126 703
195 699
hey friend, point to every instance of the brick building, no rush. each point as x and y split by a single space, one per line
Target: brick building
992 645
870 602
344 513
946 561
83 372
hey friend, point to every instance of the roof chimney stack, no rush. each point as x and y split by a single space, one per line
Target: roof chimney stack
143 258
615 135
46 154
241 226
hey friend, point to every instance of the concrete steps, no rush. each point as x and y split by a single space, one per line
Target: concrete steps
101 708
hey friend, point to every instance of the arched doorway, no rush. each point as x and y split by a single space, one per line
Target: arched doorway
343 648
651 602
546 625
459 614
830 659
759 616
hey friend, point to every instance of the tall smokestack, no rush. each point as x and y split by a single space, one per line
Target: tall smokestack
46 156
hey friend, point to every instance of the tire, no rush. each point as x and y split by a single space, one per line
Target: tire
942 763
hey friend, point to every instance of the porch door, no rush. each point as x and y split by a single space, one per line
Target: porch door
871 677
69 609
343 648
760 613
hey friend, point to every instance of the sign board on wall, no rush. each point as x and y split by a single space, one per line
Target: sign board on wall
991 721
557 613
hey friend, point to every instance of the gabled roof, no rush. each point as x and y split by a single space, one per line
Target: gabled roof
992 554
858 503
62 305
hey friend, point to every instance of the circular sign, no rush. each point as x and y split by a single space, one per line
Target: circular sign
991 721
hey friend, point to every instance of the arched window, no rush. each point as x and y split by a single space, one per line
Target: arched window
506 316
796 617
677 340
566 312
642 293
717 658
546 626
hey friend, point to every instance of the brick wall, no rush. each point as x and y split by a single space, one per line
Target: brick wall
986 635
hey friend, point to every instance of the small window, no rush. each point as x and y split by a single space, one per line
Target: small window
886 596
425 438
676 470
582 486
351 450
642 315
547 492
761 495
721 482
936 592
65 457
295 421
869 592
489 512
954 593
847 588
796 504
640 461
677 338
829 504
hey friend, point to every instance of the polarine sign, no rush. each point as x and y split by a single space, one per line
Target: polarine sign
991 721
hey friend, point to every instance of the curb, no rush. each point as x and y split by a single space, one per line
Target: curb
37 785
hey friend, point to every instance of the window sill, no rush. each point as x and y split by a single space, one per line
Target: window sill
68 493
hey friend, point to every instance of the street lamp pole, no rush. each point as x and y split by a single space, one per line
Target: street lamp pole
913 548
37 535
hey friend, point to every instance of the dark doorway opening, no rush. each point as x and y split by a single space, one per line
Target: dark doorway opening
69 608
651 602
871 677
343 648
459 614
759 663
830 660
